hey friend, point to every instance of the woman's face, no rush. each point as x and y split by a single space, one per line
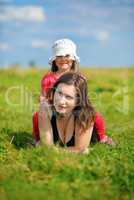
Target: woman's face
65 98
64 63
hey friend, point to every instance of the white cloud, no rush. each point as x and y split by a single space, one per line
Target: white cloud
100 15
25 13
102 36
4 46
41 44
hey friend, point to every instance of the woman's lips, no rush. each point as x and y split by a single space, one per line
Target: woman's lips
61 107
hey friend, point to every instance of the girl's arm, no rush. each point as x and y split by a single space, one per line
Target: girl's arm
45 129
82 140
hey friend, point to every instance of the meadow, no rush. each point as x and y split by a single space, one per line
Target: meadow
33 173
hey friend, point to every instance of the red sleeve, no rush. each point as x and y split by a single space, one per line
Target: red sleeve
47 82
100 126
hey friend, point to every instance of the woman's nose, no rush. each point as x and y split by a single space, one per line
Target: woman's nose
62 100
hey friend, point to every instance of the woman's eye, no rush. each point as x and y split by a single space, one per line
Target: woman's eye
69 98
66 96
60 93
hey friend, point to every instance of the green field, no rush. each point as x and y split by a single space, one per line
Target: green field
30 173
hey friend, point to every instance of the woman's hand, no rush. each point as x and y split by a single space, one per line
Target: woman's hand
42 99
77 150
82 140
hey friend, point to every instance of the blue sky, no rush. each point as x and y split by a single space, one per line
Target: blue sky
102 29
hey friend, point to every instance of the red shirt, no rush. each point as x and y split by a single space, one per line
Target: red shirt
48 81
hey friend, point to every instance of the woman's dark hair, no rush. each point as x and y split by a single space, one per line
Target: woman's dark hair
84 112
74 68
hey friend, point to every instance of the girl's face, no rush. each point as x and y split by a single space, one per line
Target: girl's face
65 99
64 63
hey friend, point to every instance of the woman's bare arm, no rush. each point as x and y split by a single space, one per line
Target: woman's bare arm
82 140
45 113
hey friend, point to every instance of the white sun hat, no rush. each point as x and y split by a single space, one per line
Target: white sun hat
64 47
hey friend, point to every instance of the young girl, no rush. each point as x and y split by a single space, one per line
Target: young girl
65 59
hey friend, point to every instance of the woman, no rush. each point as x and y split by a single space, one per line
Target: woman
71 117
65 59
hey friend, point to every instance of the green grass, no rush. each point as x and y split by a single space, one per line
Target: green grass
43 173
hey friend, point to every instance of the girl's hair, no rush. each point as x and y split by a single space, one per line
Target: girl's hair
84 112
74 68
